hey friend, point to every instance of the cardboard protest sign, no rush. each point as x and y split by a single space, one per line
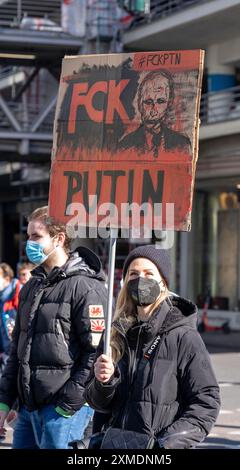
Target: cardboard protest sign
126 134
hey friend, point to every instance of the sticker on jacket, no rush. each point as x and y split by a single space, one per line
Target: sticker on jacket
97 325
96 311
96 338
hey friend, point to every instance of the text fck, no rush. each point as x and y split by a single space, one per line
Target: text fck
82 95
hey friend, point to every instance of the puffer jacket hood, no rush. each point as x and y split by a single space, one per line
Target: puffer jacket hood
182 312
81 261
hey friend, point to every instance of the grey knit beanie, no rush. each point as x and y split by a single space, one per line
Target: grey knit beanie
158 256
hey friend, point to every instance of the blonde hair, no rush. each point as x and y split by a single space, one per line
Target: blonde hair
126 311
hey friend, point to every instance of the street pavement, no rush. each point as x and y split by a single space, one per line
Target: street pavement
225 354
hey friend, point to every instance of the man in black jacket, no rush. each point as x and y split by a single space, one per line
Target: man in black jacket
58 326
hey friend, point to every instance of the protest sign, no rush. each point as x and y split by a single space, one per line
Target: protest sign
126 139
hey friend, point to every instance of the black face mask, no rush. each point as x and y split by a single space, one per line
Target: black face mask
143 291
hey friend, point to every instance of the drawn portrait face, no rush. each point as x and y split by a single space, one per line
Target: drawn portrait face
154 101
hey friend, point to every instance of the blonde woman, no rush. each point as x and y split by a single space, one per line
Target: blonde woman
159 382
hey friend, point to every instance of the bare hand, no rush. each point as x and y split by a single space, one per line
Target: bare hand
11 417
3 415
103 368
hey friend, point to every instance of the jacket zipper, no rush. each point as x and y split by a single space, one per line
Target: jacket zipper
60 332
131 377
135 356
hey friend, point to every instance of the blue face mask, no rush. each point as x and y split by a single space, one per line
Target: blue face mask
35 252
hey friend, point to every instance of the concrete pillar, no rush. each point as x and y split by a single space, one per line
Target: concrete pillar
186 265
220 77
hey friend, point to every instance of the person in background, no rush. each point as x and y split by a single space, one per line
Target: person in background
58 326
9 296
24 272
159 381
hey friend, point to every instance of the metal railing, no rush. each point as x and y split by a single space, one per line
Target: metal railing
6 72
160 9
220 106
42 15
26 116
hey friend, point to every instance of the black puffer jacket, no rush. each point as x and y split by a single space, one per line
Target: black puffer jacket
174 394
54 344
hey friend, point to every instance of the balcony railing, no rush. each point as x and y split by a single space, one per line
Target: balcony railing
44 15
162 8
220 106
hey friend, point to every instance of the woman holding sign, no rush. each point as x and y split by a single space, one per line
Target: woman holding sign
159 385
